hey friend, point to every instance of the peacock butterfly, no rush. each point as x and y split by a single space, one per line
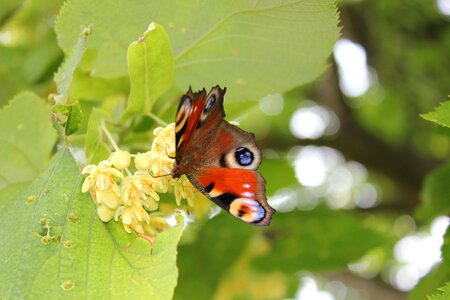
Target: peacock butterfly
218 158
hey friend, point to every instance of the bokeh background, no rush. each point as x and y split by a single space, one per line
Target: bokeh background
358 178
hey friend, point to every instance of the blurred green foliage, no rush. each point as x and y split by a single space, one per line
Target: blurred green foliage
257 49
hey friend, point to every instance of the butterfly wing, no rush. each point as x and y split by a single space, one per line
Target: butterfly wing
198 116
241 192
229 178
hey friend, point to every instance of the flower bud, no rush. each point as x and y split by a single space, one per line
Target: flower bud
109 198
105 213
120 159
142 161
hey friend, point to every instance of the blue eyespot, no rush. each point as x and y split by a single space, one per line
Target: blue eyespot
209 103
244 156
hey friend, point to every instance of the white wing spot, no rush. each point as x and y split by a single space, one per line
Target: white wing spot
248 194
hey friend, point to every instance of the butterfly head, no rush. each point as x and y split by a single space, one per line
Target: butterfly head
175 172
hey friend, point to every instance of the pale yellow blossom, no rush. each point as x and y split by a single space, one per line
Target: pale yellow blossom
101 178
132 217
142 161
163 150
105 213
120 159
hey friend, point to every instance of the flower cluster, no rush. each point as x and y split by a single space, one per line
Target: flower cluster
133 198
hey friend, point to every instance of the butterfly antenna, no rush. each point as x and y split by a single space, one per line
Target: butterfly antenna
165 150
159 176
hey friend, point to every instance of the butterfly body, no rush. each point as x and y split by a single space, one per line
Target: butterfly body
218 158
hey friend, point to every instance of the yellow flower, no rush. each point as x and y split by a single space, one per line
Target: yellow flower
138 187
105 213
163 150
132 217
120 159
183 189
132 191
109 198
142 161
101 178
147 185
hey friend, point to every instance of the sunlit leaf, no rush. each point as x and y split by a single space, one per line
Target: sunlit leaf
64 76
252 48
81 257
443 294
150 66
87 88
26 138
67 118
427 285
441 115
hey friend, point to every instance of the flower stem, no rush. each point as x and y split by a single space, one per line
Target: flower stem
113 142
109 136
157 119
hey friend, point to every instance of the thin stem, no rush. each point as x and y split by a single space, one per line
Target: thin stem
128 172
113 143
157 119
109 136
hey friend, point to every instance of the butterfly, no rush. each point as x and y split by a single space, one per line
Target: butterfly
218 158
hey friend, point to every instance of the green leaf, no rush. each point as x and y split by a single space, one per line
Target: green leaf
64 76
253 48
87 88
441 115
444 293
96 149
203 263
84 258
26 138
67 117
320 239
150 66
427 285
435 194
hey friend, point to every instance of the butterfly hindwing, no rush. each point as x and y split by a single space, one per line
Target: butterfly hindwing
235 148
241 192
